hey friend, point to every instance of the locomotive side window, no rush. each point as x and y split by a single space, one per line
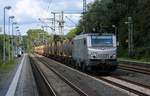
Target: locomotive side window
72 42
84 41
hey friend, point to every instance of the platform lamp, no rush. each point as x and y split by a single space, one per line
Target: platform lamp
4 46
17 38
9 38
12 43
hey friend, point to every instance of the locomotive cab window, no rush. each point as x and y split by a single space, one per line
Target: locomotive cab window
102 40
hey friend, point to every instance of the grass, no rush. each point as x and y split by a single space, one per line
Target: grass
123 54
146 60
6 67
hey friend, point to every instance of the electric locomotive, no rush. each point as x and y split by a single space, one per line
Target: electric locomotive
95 51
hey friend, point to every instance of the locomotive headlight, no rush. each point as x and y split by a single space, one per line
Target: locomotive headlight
113 56
93 54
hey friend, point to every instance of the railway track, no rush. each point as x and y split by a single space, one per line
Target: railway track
137 89
134 68
131 86
50 88
43 84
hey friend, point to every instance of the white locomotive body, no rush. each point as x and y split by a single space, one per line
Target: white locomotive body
95 50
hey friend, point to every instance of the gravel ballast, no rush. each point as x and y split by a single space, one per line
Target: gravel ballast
91 86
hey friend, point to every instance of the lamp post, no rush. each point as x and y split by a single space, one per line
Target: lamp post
4 46
17 39
12 43
10 17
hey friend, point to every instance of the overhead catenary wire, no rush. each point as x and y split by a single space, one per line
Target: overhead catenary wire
72 12
71 20
49 5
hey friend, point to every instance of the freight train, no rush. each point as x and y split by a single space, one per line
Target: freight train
86 51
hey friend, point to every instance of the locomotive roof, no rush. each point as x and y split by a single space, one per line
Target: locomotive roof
89 34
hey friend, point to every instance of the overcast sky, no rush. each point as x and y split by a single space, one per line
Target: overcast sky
27 12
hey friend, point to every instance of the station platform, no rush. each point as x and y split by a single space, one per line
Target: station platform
22 83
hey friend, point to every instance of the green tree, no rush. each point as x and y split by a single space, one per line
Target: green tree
72 33
103 13
37 37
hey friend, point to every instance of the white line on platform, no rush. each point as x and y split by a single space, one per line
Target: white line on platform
13 85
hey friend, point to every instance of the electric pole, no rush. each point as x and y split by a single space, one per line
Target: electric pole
61 25
61 19
43 33
54 21
84 18
84 6
130 36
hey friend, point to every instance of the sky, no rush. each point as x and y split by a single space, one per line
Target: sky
28 12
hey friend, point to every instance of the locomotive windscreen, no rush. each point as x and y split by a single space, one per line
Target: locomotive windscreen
102 40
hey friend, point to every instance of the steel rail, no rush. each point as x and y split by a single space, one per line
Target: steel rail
47 83
139 70
140 67
132 90
121 86
77 89
133 82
